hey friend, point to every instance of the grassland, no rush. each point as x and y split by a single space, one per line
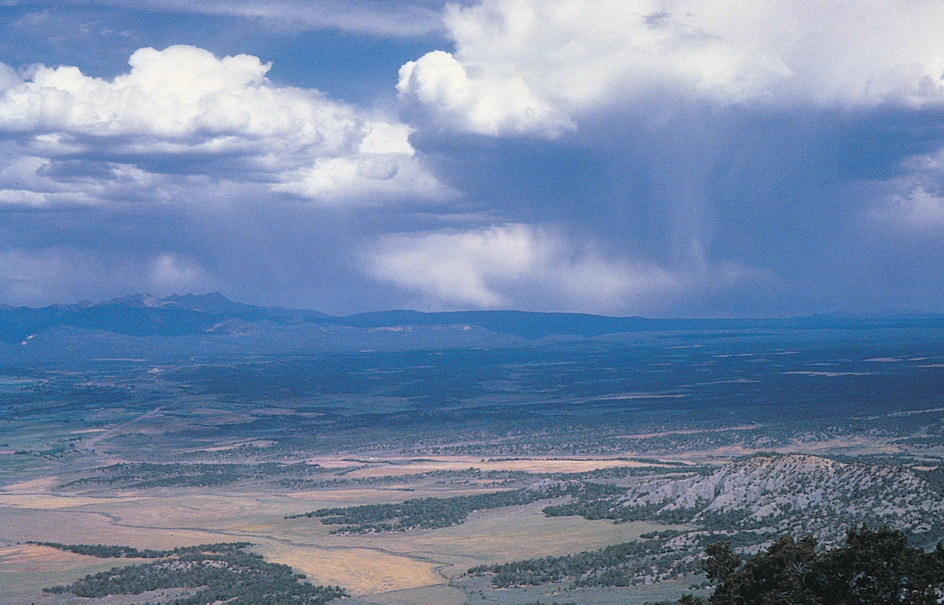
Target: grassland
365 565
157 455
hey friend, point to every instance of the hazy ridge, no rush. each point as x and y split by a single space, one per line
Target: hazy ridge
142 315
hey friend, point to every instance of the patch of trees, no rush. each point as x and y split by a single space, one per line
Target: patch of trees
422 513
871 568
217 572
589 499
110 552
604 501
618 565
934 477
609 503
149 475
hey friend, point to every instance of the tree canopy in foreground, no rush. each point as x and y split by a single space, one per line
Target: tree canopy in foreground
871 568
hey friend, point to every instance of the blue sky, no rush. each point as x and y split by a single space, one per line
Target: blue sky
660 158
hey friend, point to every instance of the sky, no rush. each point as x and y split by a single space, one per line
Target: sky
674 158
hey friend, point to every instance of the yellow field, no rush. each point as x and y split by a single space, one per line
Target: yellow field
388 569
503 535
360 570
27 568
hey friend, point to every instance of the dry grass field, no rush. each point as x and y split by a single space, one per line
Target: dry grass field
362 571
508 534
403 568
378 428
415 567
26 568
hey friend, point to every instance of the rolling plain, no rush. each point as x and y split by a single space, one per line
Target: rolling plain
392 454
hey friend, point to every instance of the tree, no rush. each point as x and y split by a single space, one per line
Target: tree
780 576
872 568
880 568
720 561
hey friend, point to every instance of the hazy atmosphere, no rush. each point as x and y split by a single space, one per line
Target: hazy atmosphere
670 158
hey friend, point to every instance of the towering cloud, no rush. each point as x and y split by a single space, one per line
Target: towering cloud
736 134
531 66
693 157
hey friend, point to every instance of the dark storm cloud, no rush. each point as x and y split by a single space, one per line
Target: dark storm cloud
736 166
628 158
767 212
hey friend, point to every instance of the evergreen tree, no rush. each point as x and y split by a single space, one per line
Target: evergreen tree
780 576
871 568
880 568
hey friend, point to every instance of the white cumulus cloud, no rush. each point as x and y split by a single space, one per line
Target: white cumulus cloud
914 202
532 66
184 101
525 266
172 272
492 104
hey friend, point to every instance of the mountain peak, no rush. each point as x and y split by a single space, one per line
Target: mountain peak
140 300
213 301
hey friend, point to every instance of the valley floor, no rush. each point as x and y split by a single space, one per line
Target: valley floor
608 443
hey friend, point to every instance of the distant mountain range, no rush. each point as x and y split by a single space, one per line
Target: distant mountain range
213 314
142 315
